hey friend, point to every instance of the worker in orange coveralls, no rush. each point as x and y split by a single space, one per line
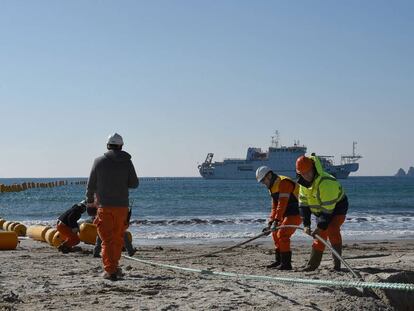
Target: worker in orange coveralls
322 195
285 211
67 226
111 176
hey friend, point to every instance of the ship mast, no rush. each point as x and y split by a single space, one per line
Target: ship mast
275 140
346 159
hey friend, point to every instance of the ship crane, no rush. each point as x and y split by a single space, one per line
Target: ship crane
347 159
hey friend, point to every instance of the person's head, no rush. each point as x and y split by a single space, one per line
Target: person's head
264 175
305 168
114 142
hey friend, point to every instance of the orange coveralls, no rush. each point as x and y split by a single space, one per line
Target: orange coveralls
111 222
69 237
285 211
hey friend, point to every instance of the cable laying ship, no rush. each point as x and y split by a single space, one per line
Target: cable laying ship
281 159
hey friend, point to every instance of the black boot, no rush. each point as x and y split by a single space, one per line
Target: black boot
286 261
314 261
337 262
63 248
277 260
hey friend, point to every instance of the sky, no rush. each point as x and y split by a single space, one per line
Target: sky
179 79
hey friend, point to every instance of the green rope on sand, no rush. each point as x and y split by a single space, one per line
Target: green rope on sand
333 283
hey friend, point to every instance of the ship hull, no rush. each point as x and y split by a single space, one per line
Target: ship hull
281 161
243 169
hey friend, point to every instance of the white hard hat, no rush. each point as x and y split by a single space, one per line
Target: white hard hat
115 139
261 172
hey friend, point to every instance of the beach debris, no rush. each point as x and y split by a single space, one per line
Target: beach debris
11 297
400 300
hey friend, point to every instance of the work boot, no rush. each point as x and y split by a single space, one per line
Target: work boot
110 276
286 261
63 248
314 261
76 249
277 260
119 273
132 252
96 252
337 262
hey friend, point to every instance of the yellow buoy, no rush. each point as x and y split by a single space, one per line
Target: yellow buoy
20 229
6 224
49 235
57 240
88 233
12 226
8 240
37 232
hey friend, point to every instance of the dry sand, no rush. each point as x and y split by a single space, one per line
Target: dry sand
36 277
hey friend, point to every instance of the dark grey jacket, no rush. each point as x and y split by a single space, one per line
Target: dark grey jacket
111 176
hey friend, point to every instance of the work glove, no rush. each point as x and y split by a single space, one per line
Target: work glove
317 231
307 230
266 229
276 223
269 226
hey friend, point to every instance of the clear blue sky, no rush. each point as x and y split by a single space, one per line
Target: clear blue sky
179 79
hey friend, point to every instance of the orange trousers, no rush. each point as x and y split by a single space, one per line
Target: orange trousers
281 237
111 225
69 237
333 233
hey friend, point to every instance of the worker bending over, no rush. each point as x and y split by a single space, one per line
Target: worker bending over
284 193
322 195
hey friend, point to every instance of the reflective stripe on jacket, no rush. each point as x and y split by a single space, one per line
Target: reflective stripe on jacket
323 194
284 193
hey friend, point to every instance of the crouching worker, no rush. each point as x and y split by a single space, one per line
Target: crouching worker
284 193
322 195
68 227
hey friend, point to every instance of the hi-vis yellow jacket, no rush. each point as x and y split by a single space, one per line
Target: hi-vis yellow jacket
323 194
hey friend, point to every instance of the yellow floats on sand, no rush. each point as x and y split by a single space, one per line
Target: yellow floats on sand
20 229
17 227
50 233
37 232
6 225
88 233
57 240
8 240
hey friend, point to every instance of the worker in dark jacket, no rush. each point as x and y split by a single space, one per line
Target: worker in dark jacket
68 227
284 192
111 176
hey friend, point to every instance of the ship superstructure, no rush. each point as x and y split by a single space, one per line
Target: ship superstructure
280 158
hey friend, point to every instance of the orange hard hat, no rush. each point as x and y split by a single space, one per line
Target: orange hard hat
303 164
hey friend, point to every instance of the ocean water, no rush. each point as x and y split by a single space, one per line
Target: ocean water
188 210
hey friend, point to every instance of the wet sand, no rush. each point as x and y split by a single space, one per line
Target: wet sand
36 277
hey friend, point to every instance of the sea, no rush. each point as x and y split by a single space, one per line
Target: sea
194 210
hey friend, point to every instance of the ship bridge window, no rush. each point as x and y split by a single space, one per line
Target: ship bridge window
245 168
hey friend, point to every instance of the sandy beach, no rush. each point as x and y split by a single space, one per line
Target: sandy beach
36 277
